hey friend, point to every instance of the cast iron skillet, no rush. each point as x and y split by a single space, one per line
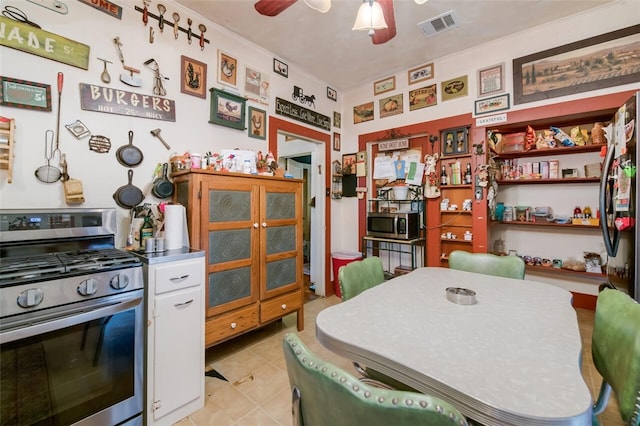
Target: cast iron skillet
128 196
129 155
162 187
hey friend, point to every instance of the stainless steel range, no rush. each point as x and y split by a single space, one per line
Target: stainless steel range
71 320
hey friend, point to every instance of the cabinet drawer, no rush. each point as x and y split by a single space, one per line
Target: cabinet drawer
224 326
178 275
280 306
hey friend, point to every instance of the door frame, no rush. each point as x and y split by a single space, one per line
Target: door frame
277 125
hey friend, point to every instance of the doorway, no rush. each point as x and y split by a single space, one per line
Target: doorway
290 143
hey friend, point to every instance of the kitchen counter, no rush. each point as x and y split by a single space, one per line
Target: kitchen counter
168 255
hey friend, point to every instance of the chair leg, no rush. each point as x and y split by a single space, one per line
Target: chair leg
295 407
603 399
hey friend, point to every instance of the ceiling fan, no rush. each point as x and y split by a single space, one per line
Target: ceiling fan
381 36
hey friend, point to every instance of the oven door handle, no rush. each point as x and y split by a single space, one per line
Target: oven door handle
69 318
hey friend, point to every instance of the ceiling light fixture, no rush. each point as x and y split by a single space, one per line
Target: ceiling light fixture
319 5
370 17
420 1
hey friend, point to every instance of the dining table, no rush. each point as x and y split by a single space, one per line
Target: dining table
504 351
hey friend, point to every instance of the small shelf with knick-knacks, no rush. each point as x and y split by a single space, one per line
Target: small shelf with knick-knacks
399 197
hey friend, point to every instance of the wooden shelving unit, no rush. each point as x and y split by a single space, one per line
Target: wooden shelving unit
7 140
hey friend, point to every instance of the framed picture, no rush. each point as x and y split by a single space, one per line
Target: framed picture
362 113
257 123
256 85
424 97
337 119
496 103
25 94
491 80
332 94
590 64
349 164
455 142
385 85
391 105
281 68
454 88
227 109
227 69
336 141
193 77
421 73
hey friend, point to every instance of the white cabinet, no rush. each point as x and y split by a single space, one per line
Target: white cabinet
175 338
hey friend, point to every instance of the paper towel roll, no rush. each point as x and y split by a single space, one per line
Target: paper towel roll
175 227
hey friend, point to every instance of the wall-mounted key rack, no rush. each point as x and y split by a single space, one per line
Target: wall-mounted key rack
188 31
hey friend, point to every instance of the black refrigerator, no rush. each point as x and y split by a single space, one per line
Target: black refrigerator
619 199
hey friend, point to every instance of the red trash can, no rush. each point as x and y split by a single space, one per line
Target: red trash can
340 259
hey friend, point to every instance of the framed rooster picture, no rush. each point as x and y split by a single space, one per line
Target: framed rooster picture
257 123
227 69
227 109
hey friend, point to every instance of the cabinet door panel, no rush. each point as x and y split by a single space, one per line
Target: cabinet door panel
227 287
280 205
229 205
177 350
281 273
281 239
227 246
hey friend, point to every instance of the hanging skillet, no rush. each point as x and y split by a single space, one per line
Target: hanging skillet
129 155
162 187
128 196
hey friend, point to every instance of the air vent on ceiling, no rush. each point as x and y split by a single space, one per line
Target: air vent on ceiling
438 24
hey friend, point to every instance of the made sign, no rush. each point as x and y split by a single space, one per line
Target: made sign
303 114
122 102
24 37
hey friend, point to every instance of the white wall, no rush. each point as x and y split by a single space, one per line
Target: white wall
599 21
101 174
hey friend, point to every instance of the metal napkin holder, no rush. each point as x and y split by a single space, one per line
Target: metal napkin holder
461 296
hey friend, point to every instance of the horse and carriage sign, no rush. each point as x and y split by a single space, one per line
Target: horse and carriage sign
298 95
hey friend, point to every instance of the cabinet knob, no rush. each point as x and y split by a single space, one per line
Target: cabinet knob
284 306
255 225
264 224
233 325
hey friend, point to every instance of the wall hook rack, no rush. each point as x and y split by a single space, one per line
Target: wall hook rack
172 24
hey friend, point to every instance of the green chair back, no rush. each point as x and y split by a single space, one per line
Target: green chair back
487 263
358 276
615 347
324 394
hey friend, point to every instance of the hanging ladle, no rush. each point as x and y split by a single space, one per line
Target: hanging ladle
48 173
105 77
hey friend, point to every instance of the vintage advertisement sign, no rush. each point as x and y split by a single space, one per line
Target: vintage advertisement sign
24 37
105 6
303 114
122 102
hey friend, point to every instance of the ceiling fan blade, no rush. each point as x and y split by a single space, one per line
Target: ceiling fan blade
384 35
272 7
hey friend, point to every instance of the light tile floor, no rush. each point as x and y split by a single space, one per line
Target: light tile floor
258 392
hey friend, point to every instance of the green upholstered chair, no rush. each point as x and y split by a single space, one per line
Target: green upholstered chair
324 394
354 278
615 347
360 275
487 263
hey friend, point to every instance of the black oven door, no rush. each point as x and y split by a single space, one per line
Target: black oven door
79 364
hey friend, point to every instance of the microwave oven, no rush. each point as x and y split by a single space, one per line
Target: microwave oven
396 225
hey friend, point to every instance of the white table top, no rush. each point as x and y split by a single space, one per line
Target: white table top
511 358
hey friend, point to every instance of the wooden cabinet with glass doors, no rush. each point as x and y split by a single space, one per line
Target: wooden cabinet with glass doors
251 230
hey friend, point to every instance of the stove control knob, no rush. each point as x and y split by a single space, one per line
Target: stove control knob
88 287
30 298
120 281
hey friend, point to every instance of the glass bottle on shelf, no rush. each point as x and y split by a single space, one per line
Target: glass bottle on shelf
467 174
444 178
